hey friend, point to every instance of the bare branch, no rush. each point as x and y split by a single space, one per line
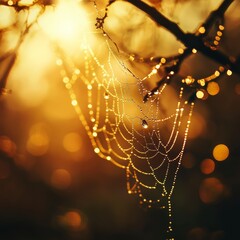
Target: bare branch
13 54
217 14
6 55
190 40
5 75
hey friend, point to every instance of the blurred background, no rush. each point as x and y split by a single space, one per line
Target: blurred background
53 186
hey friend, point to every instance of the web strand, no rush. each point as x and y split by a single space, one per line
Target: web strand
132 134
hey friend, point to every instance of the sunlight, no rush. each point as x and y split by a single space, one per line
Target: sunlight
66 22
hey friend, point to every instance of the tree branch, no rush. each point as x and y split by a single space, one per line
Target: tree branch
5 56
5 75
219 13
191 40
13 55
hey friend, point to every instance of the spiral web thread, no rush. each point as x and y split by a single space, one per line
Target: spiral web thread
137 126
142 135
144 138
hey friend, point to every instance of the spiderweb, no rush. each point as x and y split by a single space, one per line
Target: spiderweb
145 136
134 124
140 129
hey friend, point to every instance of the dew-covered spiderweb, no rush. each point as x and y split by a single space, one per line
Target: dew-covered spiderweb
141 131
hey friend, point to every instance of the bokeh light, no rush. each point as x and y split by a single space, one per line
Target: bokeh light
72 142
43 151
213 88
197 233
66 23
73 219
229 72
28 79
7 16
202 94
25 2
211 190
207 166
221 152
237 88
61 179
7 146
38 141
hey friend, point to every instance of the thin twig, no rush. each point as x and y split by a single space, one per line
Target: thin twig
189 40
218 13
6 55
3 79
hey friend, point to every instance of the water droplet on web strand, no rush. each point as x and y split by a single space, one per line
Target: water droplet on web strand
106 96
97 150
144 124
145 98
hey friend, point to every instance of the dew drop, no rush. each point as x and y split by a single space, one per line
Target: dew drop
106 96
144 124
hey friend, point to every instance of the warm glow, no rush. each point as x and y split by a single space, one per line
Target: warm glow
202 82
202 30
188 161
7 16
198 126
25 2
96 150
221 27
229 72
180 51
59 62
197 233
207 166
28 79
146 138
194 50
65 23
73 219
7 146
211 190
188 80
74 102
61 179
213 88
200 94
221 152
163 60
38 141
10 2
237 88
72 142
144 124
